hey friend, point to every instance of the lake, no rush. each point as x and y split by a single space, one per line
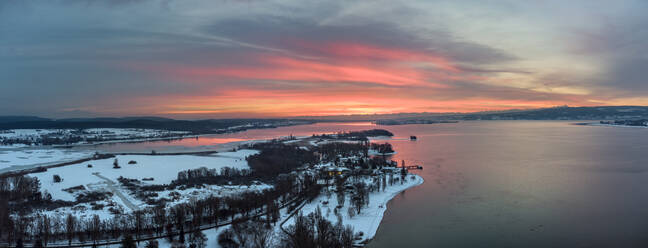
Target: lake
499 183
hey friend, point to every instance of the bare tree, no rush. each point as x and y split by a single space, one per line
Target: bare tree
261 235
159 219
301 234
360 197
47 229
70 227
198 239
138 223
95 228
152 244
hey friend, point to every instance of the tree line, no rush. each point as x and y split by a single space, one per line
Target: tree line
174 223
356 135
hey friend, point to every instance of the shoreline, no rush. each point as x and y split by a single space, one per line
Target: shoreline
380 217
611 125
371 217
14 170
31 168
367 222
143 140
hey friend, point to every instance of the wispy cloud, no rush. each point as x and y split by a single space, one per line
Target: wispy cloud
284 57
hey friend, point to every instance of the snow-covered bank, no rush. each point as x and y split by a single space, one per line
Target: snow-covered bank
367 222
369 219
377 153
613 125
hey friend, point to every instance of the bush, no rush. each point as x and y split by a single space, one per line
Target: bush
74 189
98 207
351 212
92 196
128 242
57 179
152 244
114 211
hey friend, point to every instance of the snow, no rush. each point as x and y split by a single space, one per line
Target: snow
103 178
23 157
35 136
21 133
376 153
370 217
187 195
163 169
367 222
211 234
615 125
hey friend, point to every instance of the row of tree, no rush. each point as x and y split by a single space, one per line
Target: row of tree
172 222
277 158
357 135
314 230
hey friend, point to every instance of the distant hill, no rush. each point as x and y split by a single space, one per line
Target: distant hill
6 119
555 113
113 119
208 126
194 126
370 117
565 113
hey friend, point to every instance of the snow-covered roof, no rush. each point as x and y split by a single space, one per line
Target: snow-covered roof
335 168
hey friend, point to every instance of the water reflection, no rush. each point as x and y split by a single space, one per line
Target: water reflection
215 141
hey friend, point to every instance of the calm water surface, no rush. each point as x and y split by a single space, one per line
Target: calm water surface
208 142
521 184
501 183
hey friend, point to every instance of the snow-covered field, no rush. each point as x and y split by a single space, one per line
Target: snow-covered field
163 169
101 177
14 138
20 133
24 157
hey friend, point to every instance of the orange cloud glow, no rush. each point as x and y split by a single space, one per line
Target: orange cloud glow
269 103
283 68
340 78
370 52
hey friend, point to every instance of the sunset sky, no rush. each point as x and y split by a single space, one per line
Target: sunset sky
222 59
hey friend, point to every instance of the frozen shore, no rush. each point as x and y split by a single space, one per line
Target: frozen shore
613 125
371 216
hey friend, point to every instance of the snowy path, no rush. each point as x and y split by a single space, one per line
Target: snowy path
115 191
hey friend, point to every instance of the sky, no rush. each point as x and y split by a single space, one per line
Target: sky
281 58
